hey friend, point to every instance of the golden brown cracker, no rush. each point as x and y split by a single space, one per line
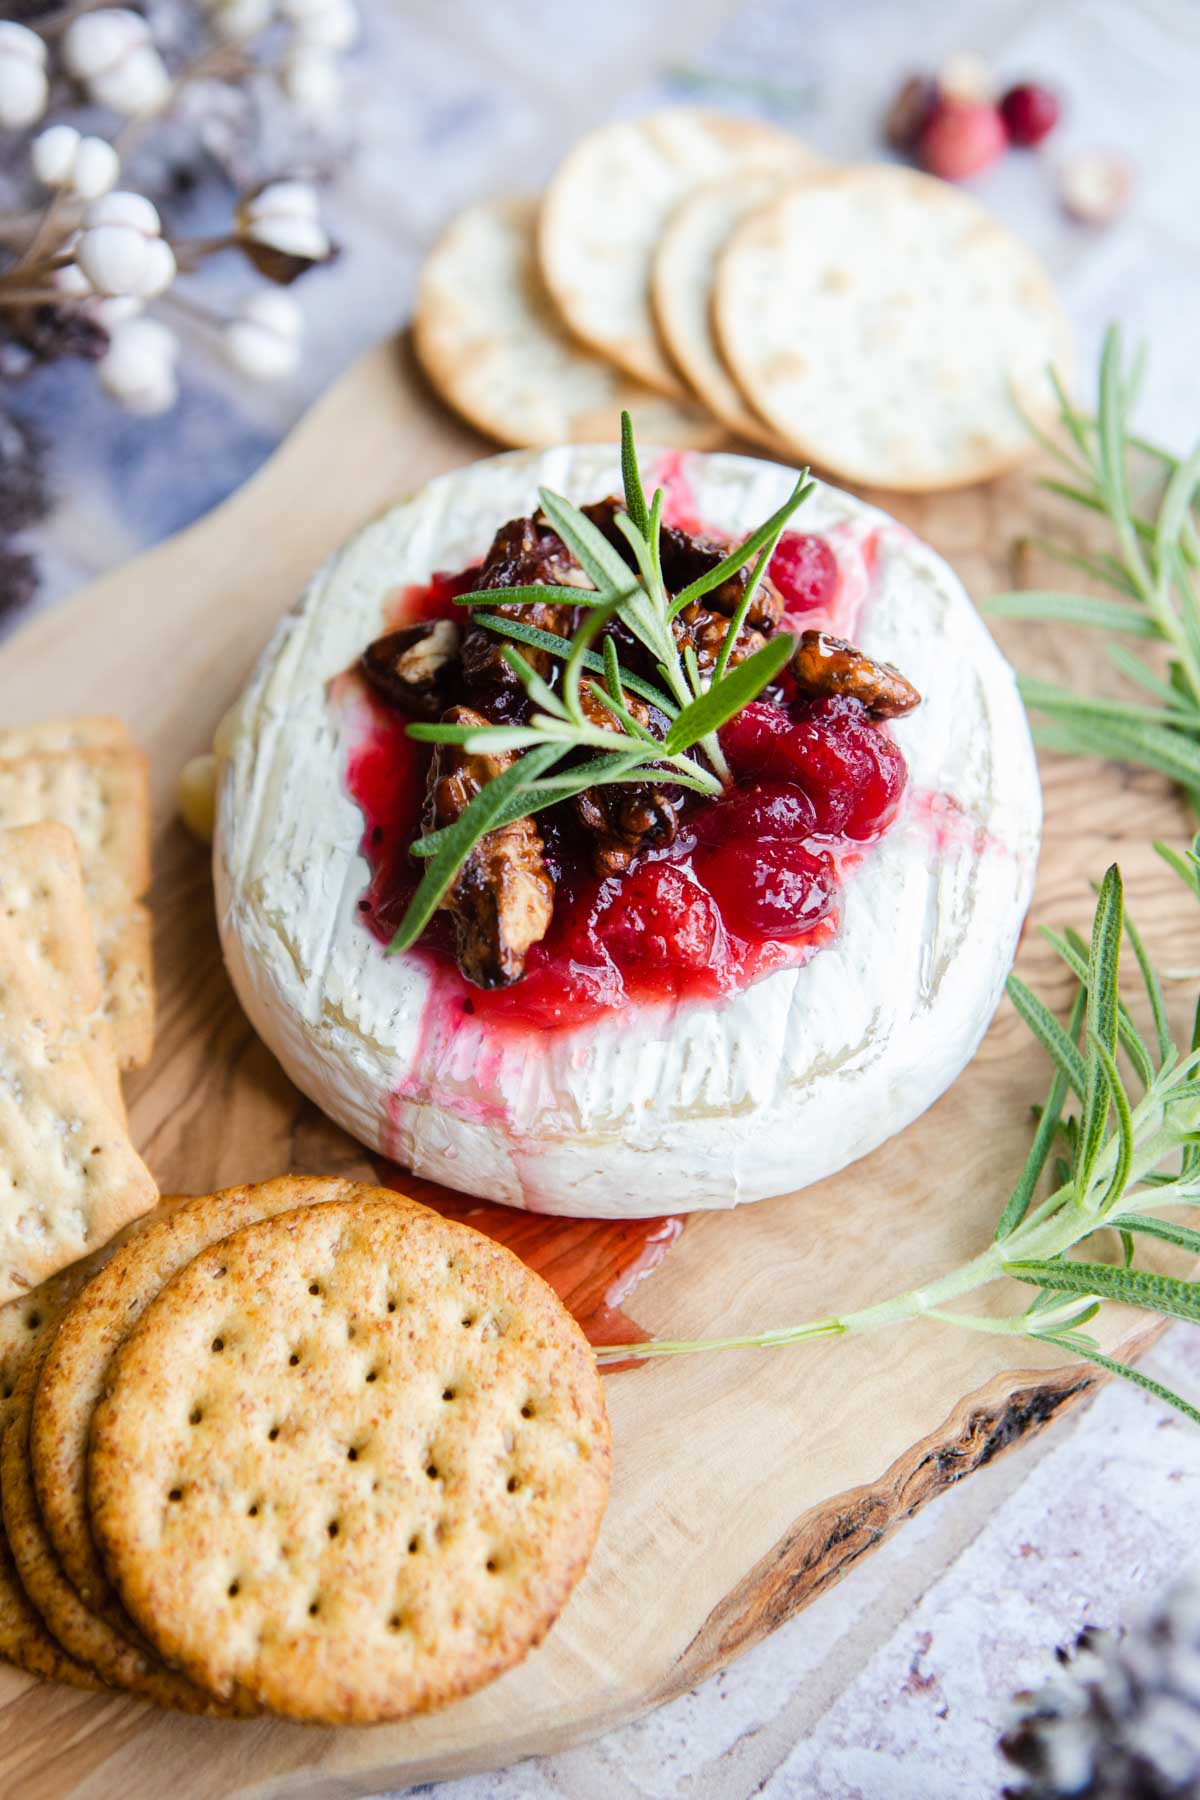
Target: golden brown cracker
353 1458
78 1362
51 736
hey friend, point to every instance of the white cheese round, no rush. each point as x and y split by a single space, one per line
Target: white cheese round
652 1108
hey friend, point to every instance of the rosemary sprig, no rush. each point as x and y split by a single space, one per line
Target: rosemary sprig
1127 1156
1148 498
624 750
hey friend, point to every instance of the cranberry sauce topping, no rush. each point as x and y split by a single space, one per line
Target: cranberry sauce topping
749 882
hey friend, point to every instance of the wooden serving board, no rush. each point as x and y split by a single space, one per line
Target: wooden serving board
744 1483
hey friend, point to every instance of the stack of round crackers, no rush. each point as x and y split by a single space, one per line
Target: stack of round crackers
305 1448
720 281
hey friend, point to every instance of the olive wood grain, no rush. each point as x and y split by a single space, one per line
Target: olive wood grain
743 1484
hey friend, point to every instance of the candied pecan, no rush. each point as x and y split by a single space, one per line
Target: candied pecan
624 820
413 667
706 631
823 665
524 553
502 899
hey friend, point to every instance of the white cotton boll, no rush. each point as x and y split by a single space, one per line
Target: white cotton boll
124 208
62 158
120 250
138 369
24 87
112 53
97 167
285 217
311 80
263 341
71 282
52 155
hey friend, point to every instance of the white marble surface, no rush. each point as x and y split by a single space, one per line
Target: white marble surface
896 1683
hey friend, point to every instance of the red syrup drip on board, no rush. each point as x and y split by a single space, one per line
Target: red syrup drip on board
592 1264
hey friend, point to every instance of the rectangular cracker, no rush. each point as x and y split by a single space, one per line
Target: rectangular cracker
42 896
54 735
69 1177
103 796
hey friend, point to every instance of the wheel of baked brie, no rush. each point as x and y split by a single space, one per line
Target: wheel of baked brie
654 1002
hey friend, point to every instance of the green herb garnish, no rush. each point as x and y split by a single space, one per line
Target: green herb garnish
1124 1158
1148 499
689 757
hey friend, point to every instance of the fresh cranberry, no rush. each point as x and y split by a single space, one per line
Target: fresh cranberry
1031 112
852 772
765 809
961 139
805 571
768 887
656 916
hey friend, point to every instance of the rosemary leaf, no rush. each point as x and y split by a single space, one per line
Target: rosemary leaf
1043 1142
460 839
635 493
1147 1382
1164 1294
1182 1235
1049 1033
710 710
560 647
737 559
1075 609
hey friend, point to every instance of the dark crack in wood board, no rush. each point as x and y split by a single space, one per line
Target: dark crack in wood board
745 1484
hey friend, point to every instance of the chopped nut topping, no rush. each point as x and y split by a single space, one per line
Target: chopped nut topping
502 899
413 667
706 632
824 665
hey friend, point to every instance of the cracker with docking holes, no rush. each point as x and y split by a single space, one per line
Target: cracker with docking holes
42 895
605 210
352 1459
102 795
24 1325
493 346
105 1642
69 1177
77 1366
890 329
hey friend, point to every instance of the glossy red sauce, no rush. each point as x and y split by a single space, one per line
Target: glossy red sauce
592 1264
750 885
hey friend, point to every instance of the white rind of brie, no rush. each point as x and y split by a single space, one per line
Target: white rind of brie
656 1108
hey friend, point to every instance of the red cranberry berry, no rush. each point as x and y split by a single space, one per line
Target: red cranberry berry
851 771
1031 112
961 139
805 571
658 917
767 809
768 887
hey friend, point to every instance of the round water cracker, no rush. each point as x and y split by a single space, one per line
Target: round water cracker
108 1645
882 322
492 345
353 1458
24 1639
77 1363
681 285
605 209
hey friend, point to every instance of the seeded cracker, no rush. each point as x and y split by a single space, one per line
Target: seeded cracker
108 1644
42 895
54 735
77 1366
353 1458
889 328
102 796
605 210
492 345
